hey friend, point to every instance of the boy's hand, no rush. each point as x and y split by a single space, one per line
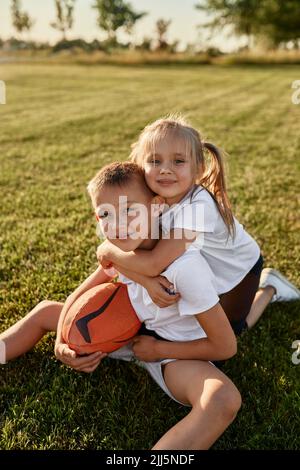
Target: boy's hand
103 251
80 363
144 348
159 289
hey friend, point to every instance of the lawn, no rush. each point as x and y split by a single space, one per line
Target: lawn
61 123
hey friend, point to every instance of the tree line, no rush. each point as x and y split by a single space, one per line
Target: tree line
112 16
271 22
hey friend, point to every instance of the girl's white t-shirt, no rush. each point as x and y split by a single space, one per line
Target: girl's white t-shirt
193 278
229 259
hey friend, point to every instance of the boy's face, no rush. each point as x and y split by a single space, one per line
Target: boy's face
124 214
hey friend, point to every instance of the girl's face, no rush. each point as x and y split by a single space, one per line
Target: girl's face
169 170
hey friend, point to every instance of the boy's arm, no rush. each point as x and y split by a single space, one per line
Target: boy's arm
148 262
61 349
220 343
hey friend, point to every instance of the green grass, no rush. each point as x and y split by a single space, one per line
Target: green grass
60 125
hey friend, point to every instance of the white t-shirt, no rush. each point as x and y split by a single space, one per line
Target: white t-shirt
230 259
193 278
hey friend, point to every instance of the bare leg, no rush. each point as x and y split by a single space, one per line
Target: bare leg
260 302
246 302
214 399
23 335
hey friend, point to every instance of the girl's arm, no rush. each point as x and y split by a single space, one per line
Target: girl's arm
220 342
148 262
155 286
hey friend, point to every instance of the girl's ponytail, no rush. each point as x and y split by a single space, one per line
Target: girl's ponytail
213 179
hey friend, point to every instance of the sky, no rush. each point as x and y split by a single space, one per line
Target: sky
184 16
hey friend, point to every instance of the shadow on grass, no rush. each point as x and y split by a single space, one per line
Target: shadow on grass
45 405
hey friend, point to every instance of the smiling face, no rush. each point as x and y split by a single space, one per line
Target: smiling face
168 168
124 214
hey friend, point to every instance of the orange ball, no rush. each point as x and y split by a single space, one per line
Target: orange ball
101 319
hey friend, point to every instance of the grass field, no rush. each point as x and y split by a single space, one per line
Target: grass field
60 125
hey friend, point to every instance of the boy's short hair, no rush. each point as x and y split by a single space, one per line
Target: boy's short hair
116 174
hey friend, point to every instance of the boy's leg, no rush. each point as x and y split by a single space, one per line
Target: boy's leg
24 334
214 399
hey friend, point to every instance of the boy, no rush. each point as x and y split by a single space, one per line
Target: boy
196 326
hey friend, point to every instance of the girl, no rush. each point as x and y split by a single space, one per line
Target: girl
188 174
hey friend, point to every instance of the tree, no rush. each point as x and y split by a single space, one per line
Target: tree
114 15
277 20
20 19
280 21
145 45
241 14
64 16
162 27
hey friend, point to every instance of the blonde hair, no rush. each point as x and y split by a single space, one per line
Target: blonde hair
209 173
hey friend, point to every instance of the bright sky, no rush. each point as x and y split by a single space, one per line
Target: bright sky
184 16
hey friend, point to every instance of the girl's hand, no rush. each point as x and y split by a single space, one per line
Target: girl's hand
156 287
80 363
144 348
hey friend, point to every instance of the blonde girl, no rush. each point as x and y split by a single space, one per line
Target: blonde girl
187 174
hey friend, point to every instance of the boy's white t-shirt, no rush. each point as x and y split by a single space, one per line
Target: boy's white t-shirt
192 277
230 259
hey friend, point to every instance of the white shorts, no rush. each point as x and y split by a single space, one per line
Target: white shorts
154 368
